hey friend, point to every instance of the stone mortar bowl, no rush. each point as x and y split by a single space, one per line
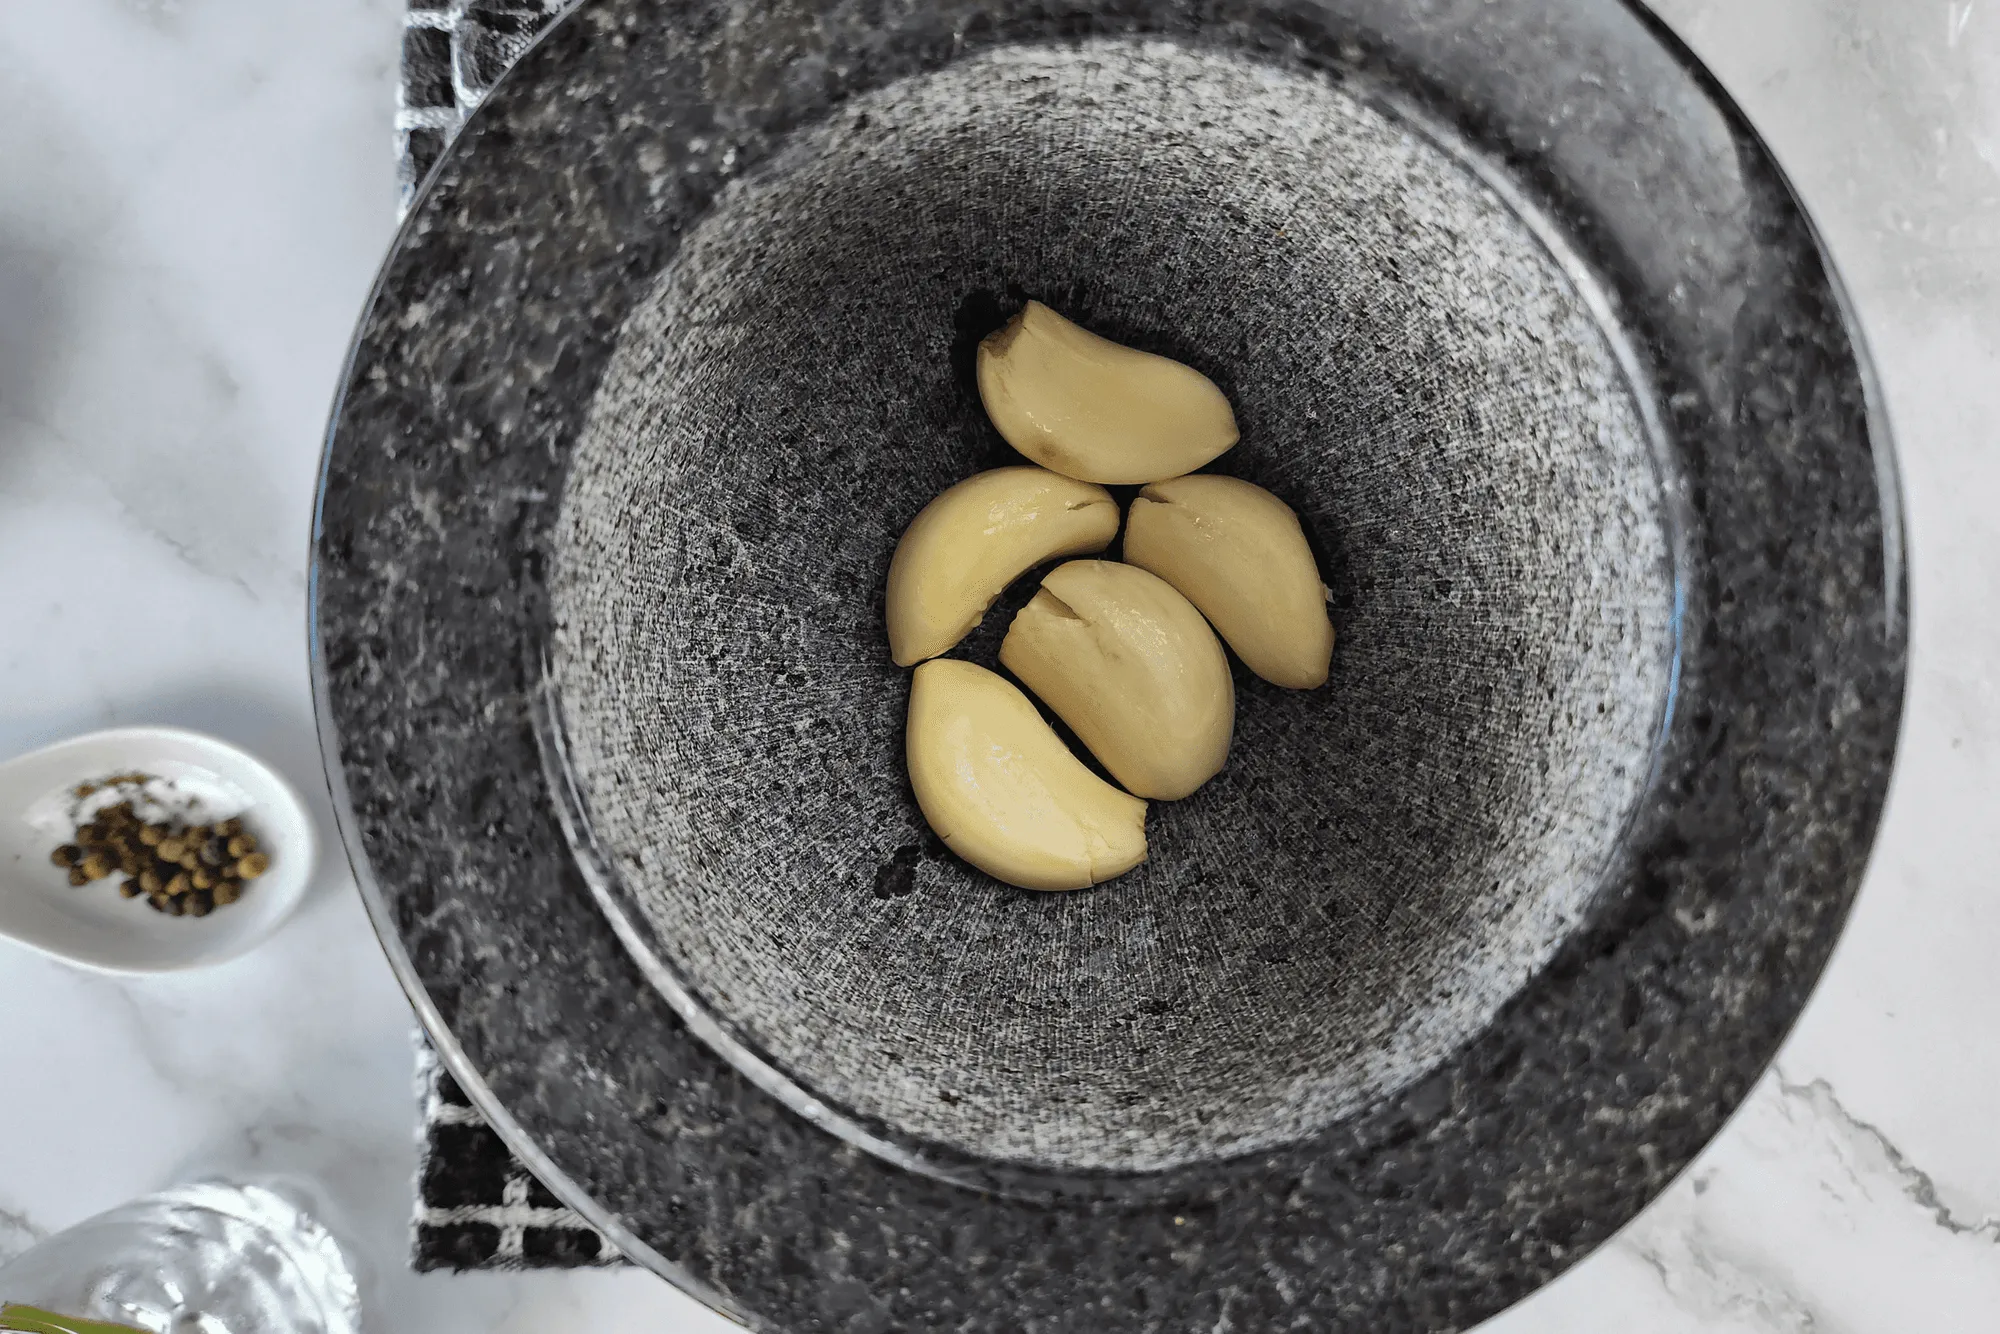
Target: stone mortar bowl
1463 955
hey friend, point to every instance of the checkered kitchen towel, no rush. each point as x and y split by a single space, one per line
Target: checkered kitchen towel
453 51
477 1206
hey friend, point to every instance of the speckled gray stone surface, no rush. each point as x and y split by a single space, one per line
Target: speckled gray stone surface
551 223
1382 863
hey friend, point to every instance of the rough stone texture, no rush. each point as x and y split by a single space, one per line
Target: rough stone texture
1382 863
550 222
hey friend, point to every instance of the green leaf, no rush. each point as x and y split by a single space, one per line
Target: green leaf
30 1320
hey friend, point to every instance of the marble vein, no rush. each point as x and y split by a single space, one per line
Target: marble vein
1915 1182
18 1232
1702 1275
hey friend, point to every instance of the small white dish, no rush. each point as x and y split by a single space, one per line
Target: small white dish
91 924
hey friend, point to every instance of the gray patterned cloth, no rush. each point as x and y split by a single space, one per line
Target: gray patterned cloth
478 1207
453 51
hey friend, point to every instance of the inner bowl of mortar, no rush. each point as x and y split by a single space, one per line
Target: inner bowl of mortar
1461 958
1416 369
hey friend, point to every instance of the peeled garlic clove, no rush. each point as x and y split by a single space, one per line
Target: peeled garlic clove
966 546
1133 669
1094 409
1238 553
1002 790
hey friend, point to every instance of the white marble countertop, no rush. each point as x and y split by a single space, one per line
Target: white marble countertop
193 198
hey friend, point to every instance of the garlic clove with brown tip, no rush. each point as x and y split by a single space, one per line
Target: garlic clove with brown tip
1093 409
